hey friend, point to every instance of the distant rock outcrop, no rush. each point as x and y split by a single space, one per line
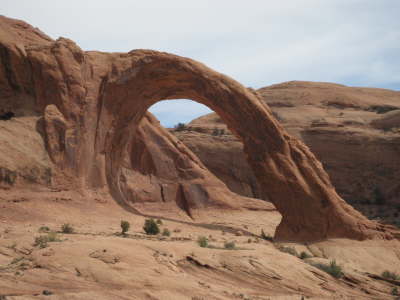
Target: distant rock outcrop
92 104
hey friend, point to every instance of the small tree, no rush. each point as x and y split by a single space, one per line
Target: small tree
180 127
202 241
230 245
67 228
125 227
151 227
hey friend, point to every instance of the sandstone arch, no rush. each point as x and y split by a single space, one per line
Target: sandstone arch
94 101
293 177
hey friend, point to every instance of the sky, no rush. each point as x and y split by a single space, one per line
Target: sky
257 42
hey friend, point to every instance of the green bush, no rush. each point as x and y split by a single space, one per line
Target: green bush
67 228
52 237
151 227
332 269
41 241
395 291
125 226
230 245
390 275
180 127
202 241
289 250
304 255
166 232
44 229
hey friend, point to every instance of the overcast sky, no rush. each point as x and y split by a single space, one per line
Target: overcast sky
257 42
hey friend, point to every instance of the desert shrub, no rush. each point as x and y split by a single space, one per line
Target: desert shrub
230 245
151 227
159 222
67 228
382 109
395 291
7 116
266 237
289 250
390 275
180 127
202 241
166 232
332 269
41 241
304 255
125 226
52 237
44 229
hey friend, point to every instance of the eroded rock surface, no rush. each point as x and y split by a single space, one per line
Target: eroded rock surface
353 131
93 103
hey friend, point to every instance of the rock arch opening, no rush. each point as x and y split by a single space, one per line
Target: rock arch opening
211 141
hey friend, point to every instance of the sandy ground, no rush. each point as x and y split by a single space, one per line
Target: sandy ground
95 262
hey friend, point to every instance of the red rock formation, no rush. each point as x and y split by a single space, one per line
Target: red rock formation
93 103
353 131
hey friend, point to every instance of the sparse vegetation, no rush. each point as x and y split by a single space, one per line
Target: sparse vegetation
390 275
202 241
395 291
125 227
218 132
67 228
159 222
42 240
230 245
289 250
52 237
304 255
332 269
151 227
180 127
44 229
266 237
381 109
166 232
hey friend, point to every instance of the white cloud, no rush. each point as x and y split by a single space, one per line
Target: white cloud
257 42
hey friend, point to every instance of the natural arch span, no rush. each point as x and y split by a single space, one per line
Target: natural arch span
93 102
294 179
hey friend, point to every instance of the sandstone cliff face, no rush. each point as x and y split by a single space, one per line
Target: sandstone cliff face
92 104
353 131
